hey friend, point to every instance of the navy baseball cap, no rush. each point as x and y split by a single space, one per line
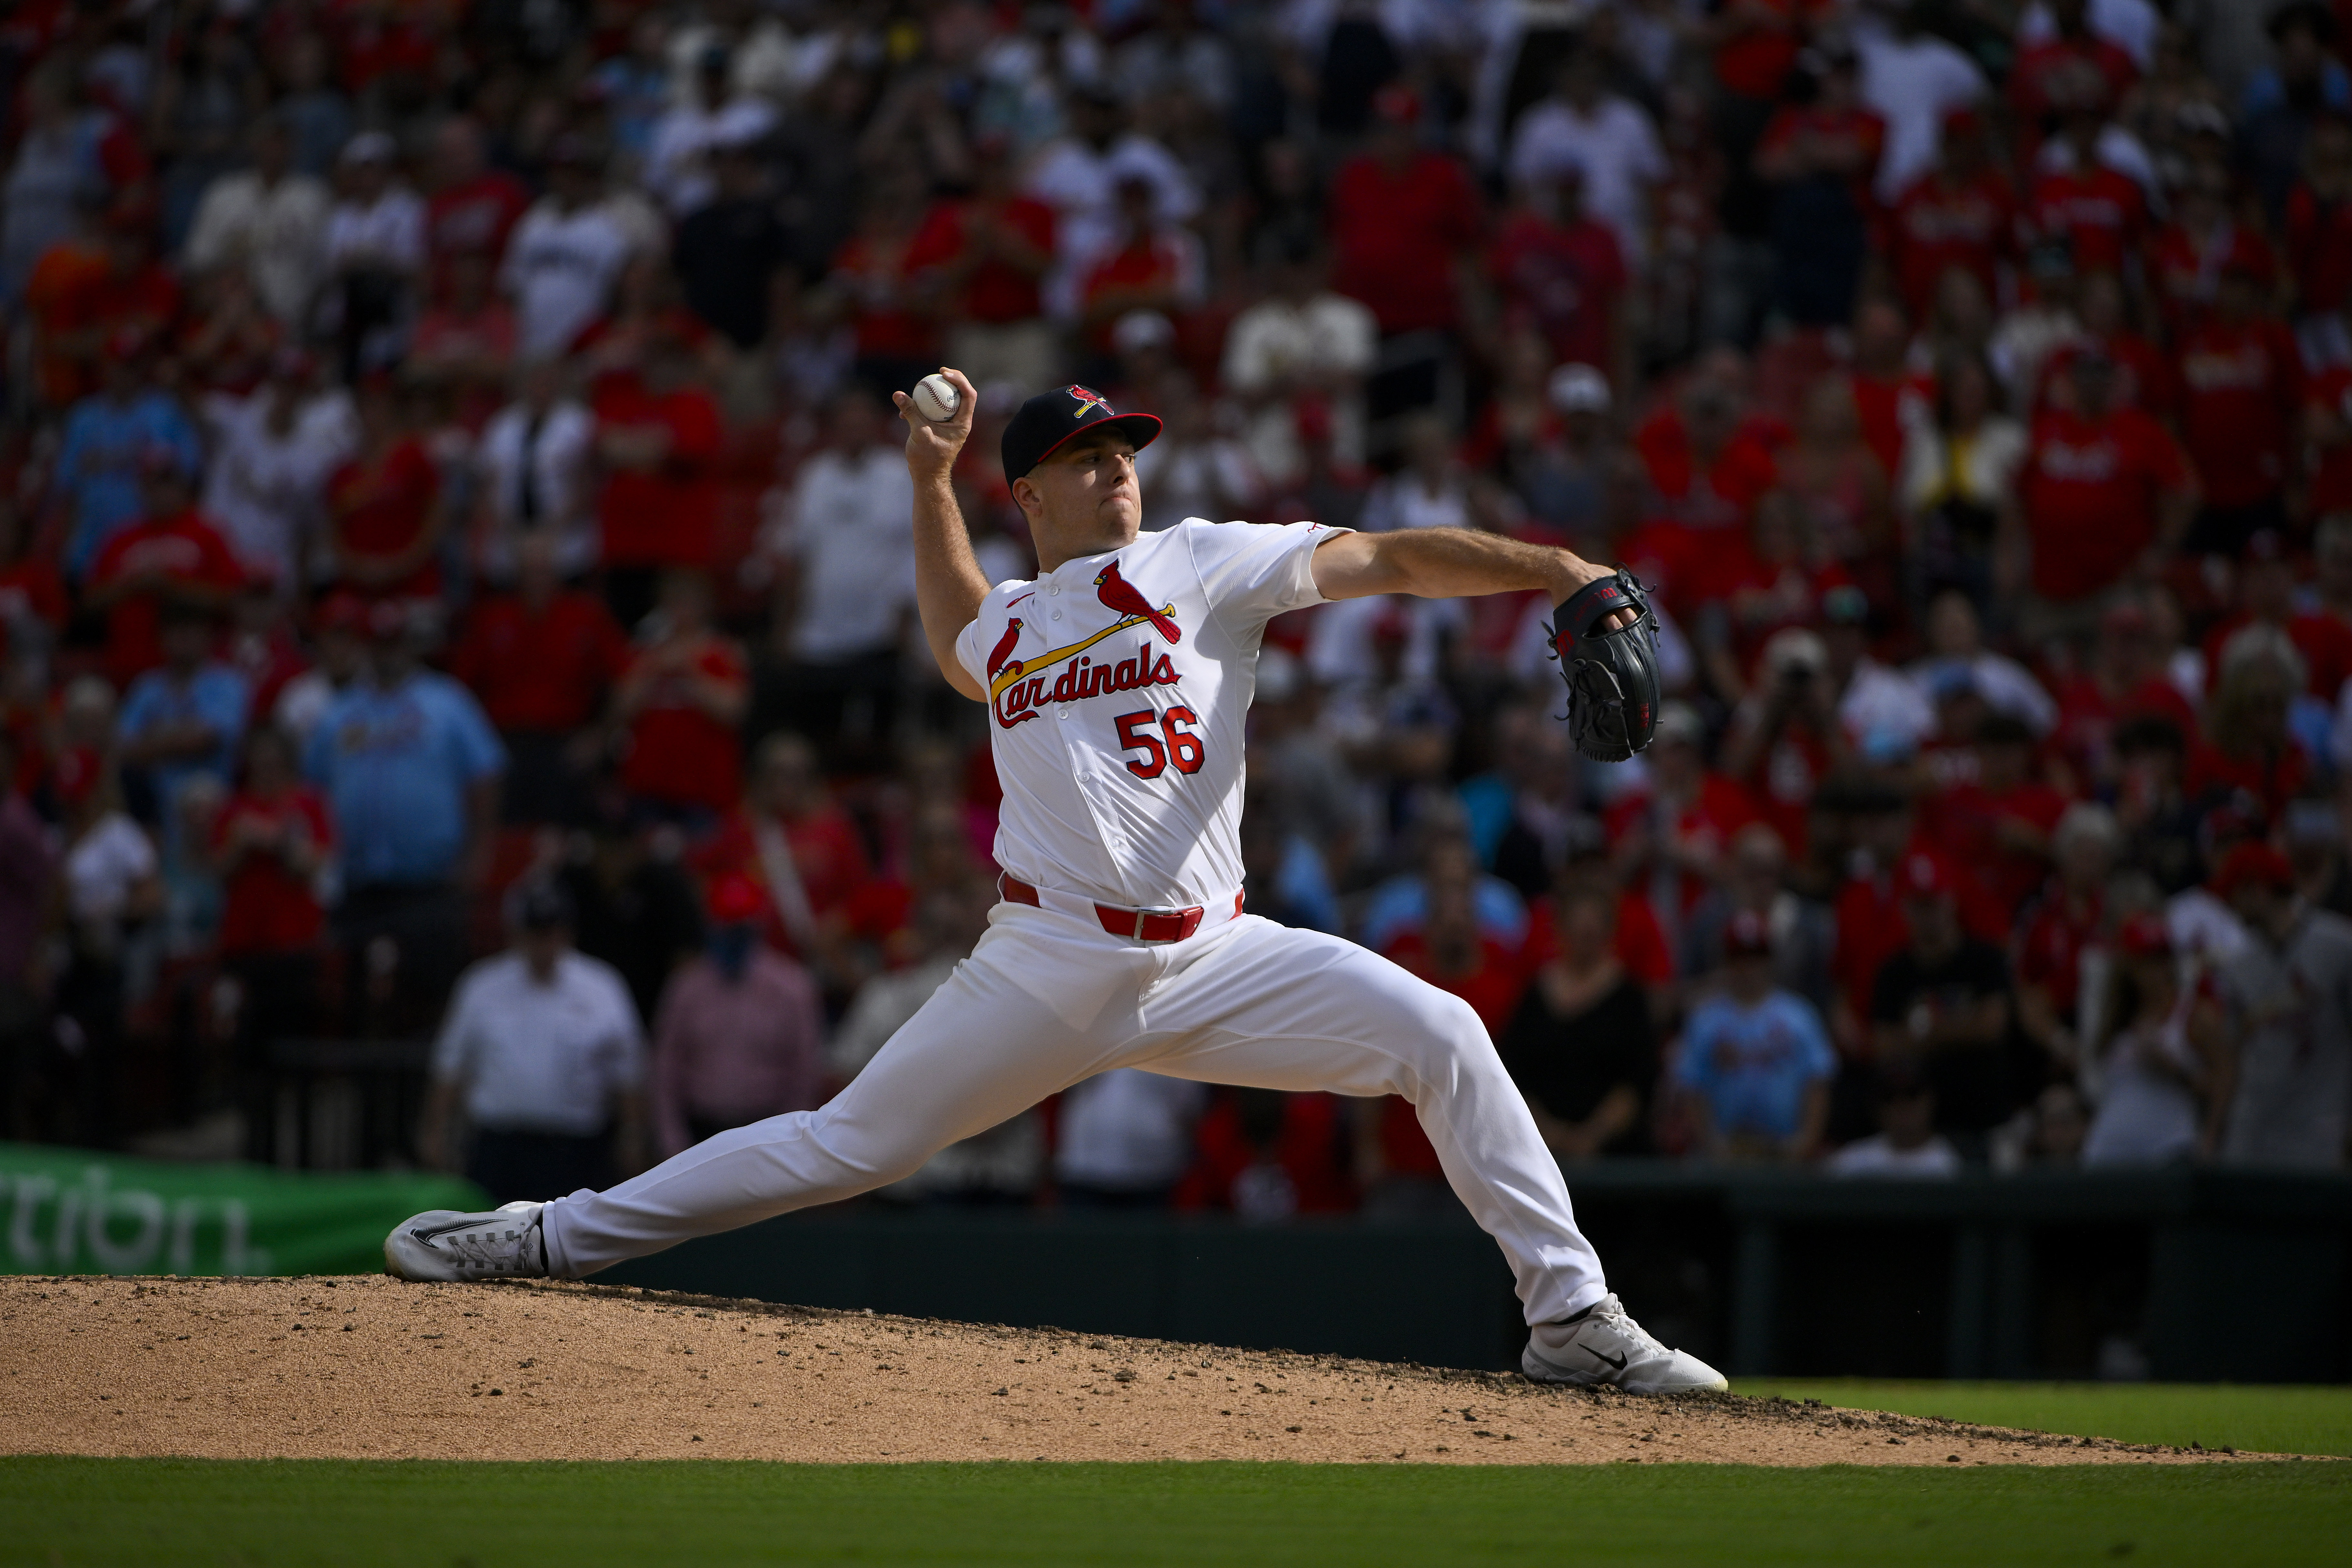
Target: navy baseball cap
1047 421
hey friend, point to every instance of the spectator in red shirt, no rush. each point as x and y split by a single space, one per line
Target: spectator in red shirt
989 253
541 660
1450 952
1889 396
1403 216
385 515
659 433
890 298
1157 266
2191 255
1770 580
1786 736
2331 549
2099 213
2318 243
2144 378
377 42
791 837
1818 156
1998 822
2074 69
1554 268
171 555
2104 491
473 206
31 590
2127 680
2241 383
681 701
2070 916
268 844
1670 837
119 288
1833 476
1266 1155
1708 461
2246 745
1962 214
2266 596
2326 430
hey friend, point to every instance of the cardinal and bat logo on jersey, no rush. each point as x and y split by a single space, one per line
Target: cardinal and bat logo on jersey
1016 696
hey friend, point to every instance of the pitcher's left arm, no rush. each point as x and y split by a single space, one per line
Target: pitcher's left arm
1446 564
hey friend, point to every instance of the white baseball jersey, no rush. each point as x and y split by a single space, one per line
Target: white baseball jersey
1117 687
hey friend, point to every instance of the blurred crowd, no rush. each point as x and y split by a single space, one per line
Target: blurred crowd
455 562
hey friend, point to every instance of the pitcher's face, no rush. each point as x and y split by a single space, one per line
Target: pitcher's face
1083 500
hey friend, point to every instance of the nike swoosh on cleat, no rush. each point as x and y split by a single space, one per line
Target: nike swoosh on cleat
445 1229
1613 1362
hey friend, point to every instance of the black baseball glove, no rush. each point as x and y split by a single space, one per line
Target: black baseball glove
1611 674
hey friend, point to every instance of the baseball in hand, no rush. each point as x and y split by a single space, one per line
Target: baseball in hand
936 398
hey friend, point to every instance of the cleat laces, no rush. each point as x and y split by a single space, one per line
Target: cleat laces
1611 1314
489 1251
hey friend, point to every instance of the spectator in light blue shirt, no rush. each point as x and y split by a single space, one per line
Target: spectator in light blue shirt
181 721
1756 1062
410 767
107 437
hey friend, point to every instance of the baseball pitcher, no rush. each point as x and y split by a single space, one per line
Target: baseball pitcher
1117 685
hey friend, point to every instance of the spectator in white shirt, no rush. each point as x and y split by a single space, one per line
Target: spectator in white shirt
563 258
844 554
1610 139
1907 1143
1913 80
375 252
543 1052
1127 1139
269 221
533 472
1300 341
1957 658
1430 491
1192 471
1079 176
677 163
113 886
272 451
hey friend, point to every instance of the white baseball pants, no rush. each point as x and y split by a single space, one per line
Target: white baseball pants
1048 999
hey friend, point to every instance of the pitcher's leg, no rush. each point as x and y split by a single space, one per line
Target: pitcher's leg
1278 1008
981 1050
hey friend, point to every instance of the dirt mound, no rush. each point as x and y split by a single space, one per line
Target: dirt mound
365 1367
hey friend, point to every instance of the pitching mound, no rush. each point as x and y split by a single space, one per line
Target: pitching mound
365 1367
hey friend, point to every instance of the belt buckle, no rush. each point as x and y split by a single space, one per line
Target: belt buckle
1137 935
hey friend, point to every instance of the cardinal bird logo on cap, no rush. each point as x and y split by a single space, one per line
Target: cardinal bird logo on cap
1004 648
1088 400
1118 594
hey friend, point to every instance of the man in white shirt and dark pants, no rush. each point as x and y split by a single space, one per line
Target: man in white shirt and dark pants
563 258
544 1049
845 550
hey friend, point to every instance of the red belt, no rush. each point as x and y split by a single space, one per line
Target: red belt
1135 925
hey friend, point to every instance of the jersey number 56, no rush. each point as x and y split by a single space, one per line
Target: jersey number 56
1183 746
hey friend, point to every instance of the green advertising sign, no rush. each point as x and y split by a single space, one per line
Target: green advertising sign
69 1211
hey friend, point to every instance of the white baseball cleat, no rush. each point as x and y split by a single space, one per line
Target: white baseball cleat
442 1245
1603 1345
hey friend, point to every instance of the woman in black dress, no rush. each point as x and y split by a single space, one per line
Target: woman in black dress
1581 1047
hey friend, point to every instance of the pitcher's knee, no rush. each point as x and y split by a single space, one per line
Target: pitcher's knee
866 1156
1449 1038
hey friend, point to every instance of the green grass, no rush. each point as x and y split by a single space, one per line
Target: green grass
110 1512
2267 1419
